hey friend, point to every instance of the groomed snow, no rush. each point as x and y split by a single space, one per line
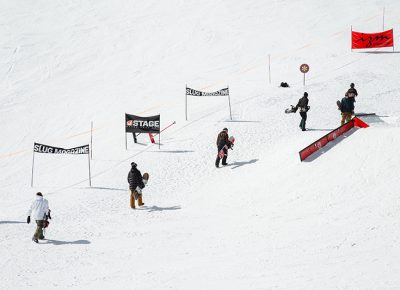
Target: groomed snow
266 221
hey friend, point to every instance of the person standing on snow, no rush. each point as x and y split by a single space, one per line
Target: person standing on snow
223 143
352 92
347 108
136 185
303 106
40 211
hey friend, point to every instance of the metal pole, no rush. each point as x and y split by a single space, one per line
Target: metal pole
351 38
383 20
186 102
33 164
229 99
90 175
269 67
91 140
159 141
126 141
304 79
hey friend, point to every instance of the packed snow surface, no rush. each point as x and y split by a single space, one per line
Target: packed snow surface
265 221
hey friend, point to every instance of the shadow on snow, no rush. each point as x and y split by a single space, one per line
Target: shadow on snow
59 243
241 163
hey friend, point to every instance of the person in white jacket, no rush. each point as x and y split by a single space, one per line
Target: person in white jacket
40 212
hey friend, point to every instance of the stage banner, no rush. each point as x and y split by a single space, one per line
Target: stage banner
192 92
361 40
41 148
136 124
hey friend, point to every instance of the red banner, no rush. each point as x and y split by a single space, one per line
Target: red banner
310 149
371 40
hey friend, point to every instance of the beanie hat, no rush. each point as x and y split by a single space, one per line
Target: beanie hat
305 94
133 164
39 193
225 129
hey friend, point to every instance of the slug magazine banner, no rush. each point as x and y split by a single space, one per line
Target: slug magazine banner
46 149
193 92
196 93
41 148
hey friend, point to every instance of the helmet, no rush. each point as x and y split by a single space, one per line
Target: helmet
352 85
225 129
133 164
305 94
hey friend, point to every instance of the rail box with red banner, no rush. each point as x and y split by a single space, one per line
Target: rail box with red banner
310 149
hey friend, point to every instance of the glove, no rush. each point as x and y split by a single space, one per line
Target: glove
48 215
28 220
138 190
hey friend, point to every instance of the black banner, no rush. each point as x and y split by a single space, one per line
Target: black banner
136 124
192 92
41 148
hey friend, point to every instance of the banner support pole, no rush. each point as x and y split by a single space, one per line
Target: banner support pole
90 175
126 141
91 140
351 38
229 100
269 67
186 103
33 164
383 20
304 79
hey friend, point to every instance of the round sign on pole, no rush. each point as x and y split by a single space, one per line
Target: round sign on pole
304 68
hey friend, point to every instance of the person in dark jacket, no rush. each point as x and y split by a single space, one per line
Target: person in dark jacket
222 140
303 106
136 185
352 92
347 108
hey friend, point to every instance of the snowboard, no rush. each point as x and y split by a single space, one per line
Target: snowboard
221 152
291 110
145 178
339 104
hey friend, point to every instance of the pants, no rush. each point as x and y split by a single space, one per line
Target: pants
223 158
303 120
39 230
346 117
137 196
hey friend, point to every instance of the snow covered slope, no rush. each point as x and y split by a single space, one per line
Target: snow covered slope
266 221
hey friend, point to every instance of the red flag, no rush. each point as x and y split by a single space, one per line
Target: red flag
371 40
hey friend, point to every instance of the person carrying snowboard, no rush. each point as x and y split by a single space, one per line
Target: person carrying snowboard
136 185
223 143
347 108
303 106
40 211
